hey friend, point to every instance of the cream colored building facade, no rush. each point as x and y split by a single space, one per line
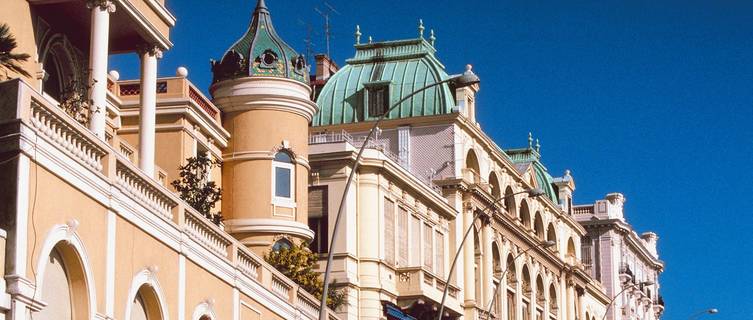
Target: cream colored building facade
91 227
615 255
428 172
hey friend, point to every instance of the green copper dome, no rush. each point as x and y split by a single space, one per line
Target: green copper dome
525 157
400 67
260 52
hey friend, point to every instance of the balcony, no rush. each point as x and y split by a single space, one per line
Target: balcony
32 122
417 282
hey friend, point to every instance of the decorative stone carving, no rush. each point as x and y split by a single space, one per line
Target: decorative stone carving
105 5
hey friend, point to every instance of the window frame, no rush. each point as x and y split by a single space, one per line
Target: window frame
372 86
288 202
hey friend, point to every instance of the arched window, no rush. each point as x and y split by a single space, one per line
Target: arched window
471 164
57 291
538 226
494 184
525 215
510 205
52 83
540 298
496 260
146 305
551 235
63 286
282 244
553 303
571 251
283 178
527 293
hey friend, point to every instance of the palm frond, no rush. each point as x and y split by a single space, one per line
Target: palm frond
8 59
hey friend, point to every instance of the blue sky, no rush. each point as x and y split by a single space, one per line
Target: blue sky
653 99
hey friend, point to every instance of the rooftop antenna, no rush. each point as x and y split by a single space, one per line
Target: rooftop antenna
326 13
309 41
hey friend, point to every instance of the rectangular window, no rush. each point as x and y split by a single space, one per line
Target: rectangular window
402 237
440 254
283 182
415 243
319 219
428 248
585 255
378 99
389 231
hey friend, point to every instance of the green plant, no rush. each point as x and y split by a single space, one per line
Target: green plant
297 263
196 189
9 60
75 101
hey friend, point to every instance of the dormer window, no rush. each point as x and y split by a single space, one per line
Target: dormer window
377 98
299 65
268 59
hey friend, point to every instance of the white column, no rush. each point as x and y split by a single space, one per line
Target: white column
98 50
488 273
148 110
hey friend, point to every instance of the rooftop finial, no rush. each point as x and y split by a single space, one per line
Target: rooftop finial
538 146
260 5
432 38
371 40
530 140
358 34
421 28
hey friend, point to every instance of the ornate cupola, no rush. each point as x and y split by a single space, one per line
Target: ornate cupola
261 86
260 52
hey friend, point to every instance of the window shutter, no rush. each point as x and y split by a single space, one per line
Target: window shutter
389 231
415 243
402 237
428 247
440 254
317 205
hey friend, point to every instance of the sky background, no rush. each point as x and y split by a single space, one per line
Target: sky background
653 99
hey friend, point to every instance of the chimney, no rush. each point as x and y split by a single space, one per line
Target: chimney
325 67
650 239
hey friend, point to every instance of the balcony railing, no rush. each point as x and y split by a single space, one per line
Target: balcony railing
60 134
417 281
583 210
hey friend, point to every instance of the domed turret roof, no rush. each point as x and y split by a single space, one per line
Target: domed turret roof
260 52
399 66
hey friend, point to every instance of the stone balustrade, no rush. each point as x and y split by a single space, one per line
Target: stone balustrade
38 120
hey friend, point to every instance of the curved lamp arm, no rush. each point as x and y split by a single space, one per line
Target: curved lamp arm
544 244
532 193
645 283
709 311
465 79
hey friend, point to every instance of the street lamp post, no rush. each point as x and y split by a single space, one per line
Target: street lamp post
707 311
644 283
545 244
531 193
467 78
